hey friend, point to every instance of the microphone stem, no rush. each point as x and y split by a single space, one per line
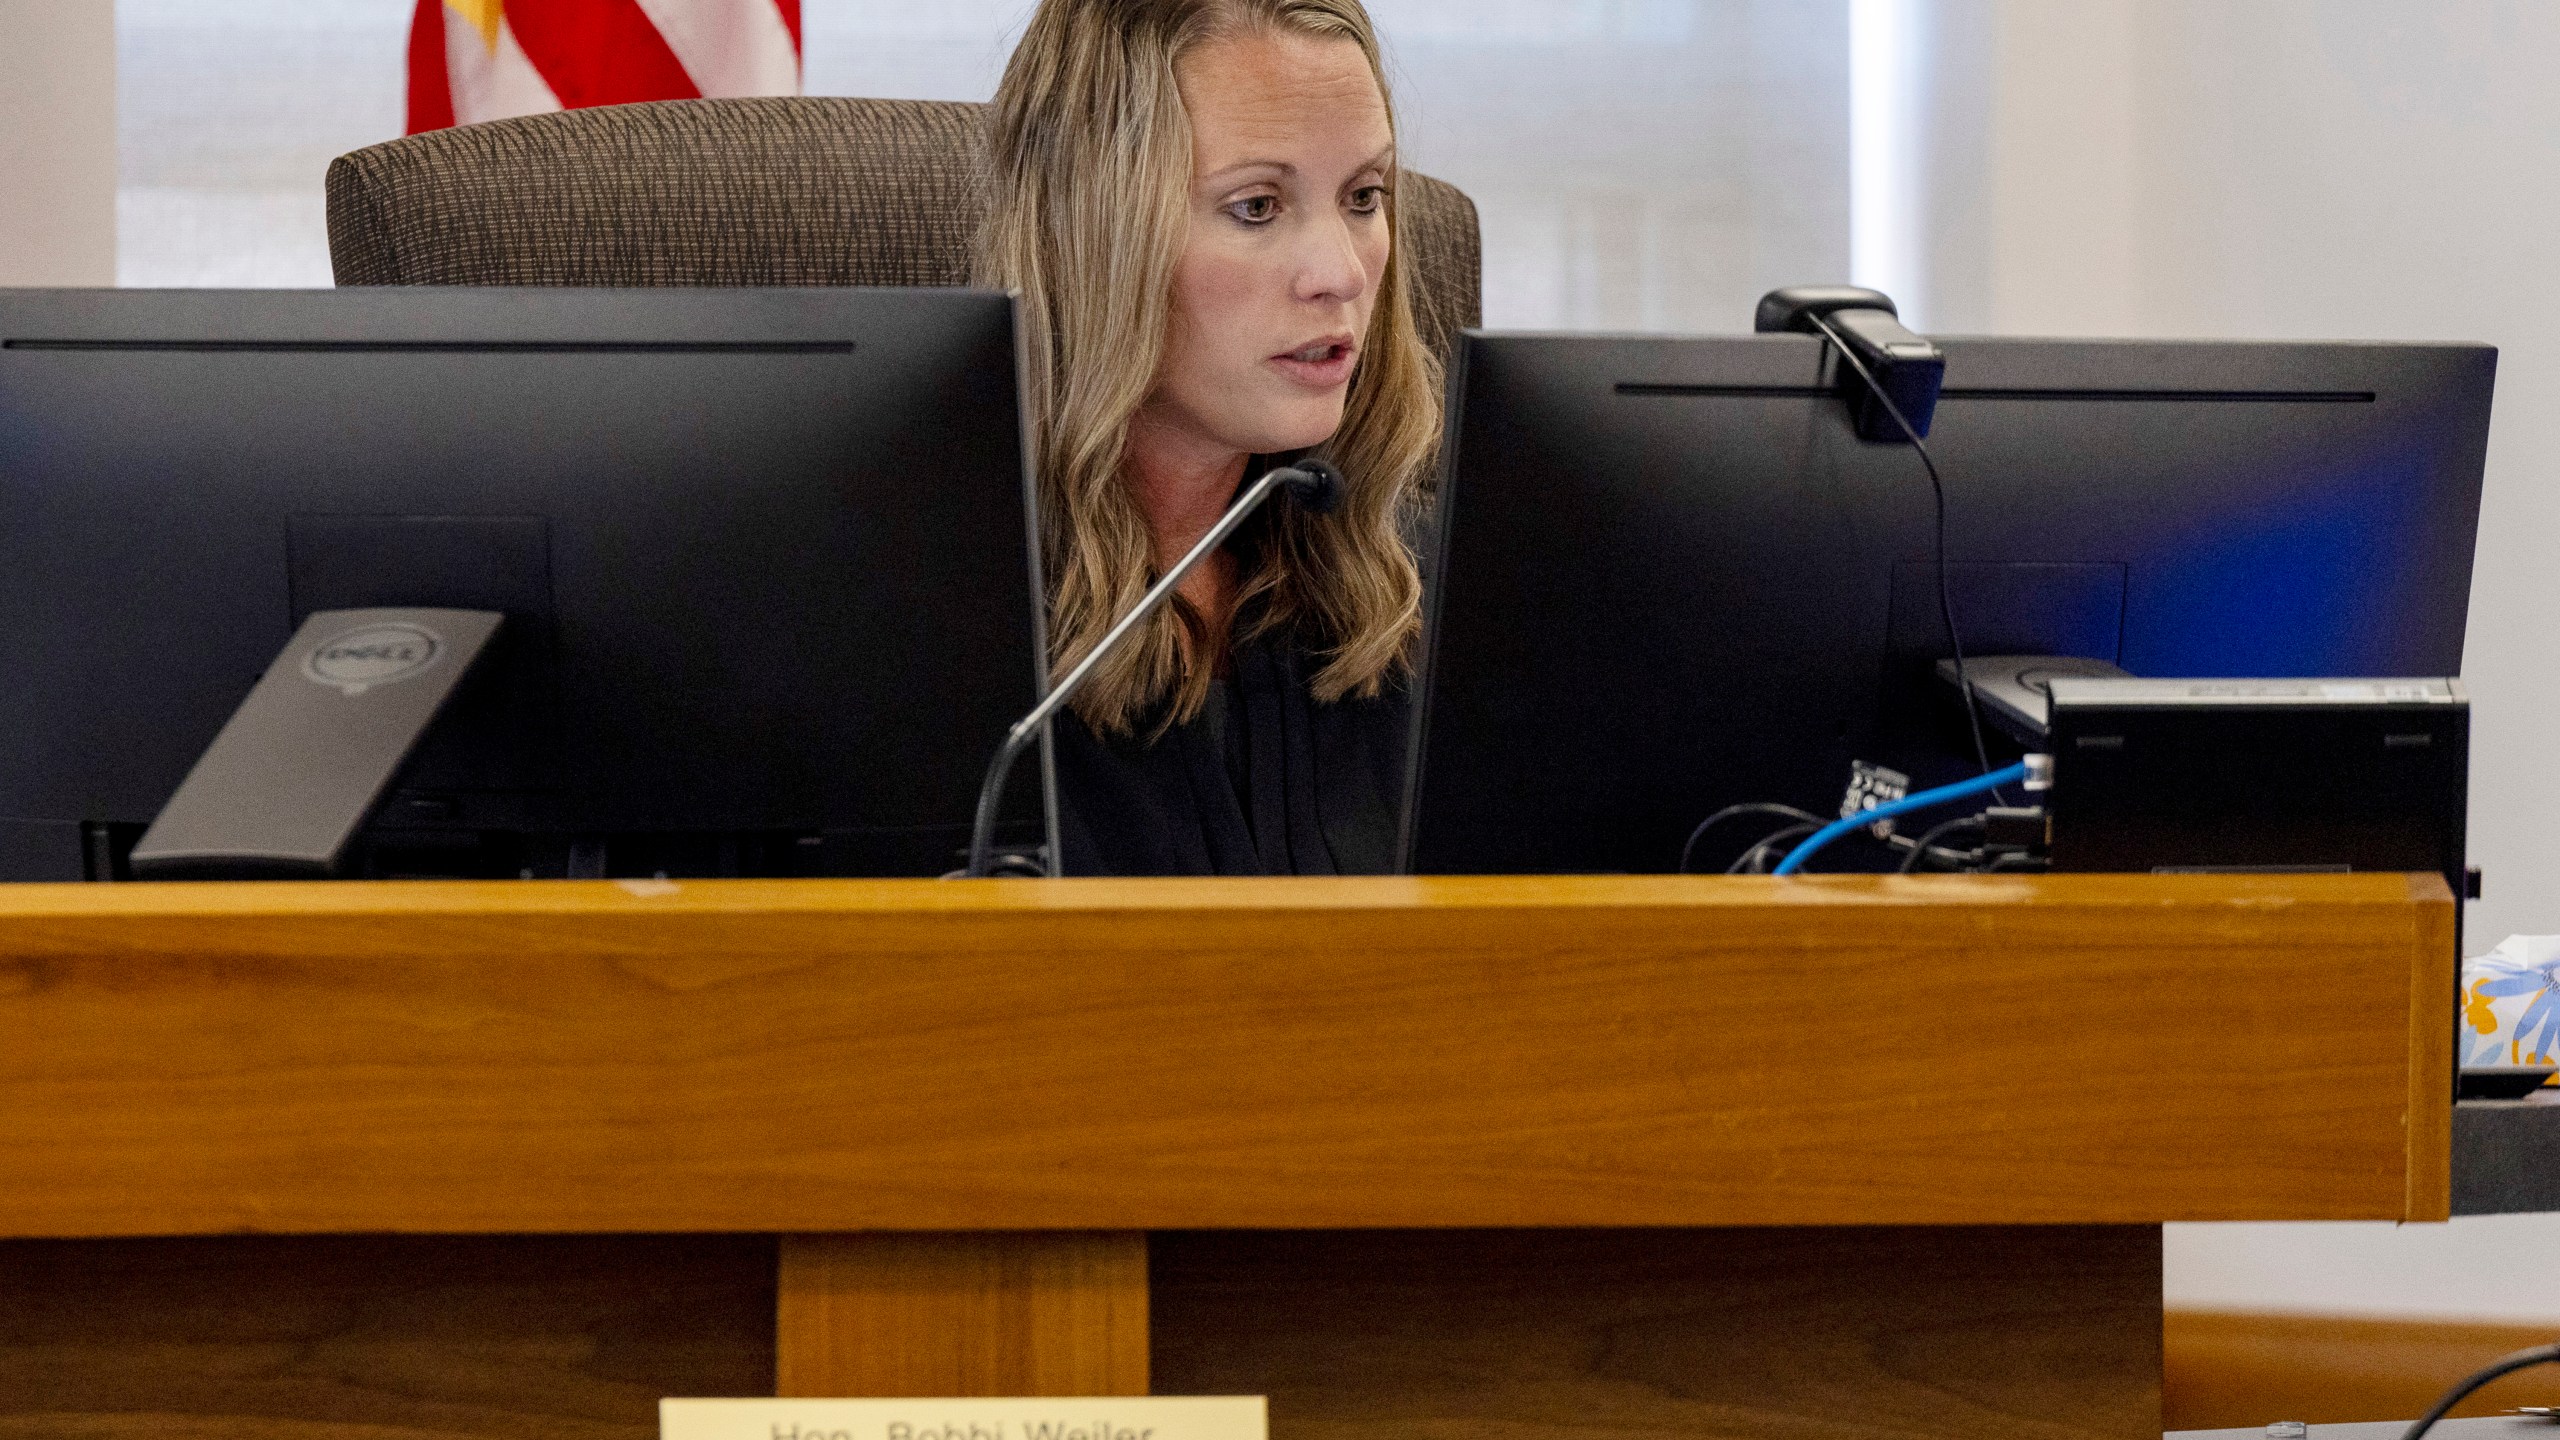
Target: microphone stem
1028 728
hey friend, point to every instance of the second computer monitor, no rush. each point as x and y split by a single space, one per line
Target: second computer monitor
764 558
1670 577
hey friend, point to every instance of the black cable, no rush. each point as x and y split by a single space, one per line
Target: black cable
2015 862
1758 855
1034 866
1767 853
1731 811
1745 861
1904 845
1911 861
2521 1360
1938 492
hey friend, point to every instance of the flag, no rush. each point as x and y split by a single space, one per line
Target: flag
472 60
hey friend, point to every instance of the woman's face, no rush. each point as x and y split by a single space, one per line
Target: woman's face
1288 243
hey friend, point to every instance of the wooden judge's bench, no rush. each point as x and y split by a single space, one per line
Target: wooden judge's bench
1599 1157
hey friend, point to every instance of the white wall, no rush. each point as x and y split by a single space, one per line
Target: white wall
229 115
2490 1267
1637 164
57 142
2371 169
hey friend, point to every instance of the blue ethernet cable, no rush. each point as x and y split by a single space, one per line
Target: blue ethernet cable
1795 858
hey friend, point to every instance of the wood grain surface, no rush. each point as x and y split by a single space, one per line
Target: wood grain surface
990 1313
2227 1370
2039 1333
1131 1055
377 1337
2431 1065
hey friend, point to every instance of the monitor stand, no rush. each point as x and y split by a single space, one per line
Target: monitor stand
2014 691
297 768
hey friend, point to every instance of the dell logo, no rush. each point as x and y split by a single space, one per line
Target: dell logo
358 660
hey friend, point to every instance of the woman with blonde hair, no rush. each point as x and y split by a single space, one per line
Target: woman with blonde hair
1195 200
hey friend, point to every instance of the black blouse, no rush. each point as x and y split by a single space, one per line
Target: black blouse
1266 780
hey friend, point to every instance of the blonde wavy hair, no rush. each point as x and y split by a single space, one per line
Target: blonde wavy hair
1090 181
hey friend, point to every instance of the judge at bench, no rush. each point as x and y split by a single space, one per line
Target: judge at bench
1196 201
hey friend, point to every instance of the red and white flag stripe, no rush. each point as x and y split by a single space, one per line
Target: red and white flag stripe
473 60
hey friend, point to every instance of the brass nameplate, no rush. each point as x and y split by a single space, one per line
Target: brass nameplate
1151 1417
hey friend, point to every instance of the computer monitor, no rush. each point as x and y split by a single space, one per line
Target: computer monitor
1671 578
764 558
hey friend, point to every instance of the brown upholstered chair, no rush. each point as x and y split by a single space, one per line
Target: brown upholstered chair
802 191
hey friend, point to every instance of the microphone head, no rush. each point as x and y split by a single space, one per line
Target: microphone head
1315 485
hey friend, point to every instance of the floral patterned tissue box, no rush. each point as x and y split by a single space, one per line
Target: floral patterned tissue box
2511 1003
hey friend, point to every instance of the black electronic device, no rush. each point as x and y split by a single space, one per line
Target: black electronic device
1908 368
763 557
2184 776
1671 578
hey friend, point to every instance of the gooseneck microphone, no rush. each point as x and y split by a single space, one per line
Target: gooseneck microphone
1312 483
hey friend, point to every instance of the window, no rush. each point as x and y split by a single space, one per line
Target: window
1638 164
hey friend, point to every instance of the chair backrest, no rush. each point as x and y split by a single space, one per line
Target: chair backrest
781 191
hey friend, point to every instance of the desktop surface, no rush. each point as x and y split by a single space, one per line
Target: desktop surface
2478 1427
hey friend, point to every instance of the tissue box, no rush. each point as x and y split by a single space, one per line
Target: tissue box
2511 1003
